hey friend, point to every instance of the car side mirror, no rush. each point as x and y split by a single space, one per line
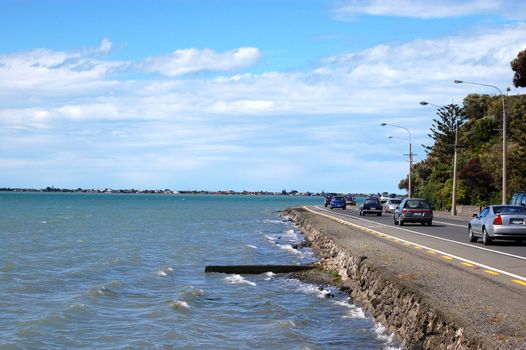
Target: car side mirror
476 215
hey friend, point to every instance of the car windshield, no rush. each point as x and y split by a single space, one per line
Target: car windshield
371 201
415 204
499 209
395 201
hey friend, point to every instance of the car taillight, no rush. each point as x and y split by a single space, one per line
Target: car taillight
497 220
404 211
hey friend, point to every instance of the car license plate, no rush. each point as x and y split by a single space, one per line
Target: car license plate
517 221
418 214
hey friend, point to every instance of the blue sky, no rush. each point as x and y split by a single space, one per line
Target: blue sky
237 94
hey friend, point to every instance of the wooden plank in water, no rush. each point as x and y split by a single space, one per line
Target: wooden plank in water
257 269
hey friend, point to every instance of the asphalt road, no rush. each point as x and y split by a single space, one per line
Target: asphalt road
447 239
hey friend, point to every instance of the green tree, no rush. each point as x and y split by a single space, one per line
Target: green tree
518 65
443 131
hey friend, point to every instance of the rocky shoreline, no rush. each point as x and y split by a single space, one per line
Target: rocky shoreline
393 295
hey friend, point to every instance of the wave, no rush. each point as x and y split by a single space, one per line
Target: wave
383 334
238 279
251 246
191 292
355 313
164 272
289 248
179 305
269 275
106 289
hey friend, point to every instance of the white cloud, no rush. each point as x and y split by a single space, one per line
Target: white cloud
429 9
186 61
239 124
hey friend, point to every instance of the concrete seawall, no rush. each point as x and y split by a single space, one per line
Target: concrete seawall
380 280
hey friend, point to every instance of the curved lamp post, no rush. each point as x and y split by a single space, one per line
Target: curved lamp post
504 138
454 192
410 154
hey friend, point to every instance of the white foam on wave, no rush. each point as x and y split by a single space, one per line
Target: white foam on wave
355 313
238 279
289 248
383 334
164 272
269 275
302 287
251 246
271 221
43 222
180 305
77 306
192 292
286 323
291 233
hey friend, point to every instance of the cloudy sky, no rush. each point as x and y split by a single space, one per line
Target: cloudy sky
237 94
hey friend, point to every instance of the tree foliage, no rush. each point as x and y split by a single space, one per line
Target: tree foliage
479 161
518 65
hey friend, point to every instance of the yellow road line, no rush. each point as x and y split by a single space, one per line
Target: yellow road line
522 283
447 257
467 264
493 273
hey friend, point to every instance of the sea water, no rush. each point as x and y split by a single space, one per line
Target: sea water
119 271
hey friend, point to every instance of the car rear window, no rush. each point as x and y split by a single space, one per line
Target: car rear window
395 201
371 201
415 204
339 198
499 209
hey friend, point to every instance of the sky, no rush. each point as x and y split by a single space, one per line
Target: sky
238 94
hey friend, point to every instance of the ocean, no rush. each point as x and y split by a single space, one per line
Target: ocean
119 271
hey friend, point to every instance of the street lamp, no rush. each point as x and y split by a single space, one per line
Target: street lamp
504 138
454 192
410 154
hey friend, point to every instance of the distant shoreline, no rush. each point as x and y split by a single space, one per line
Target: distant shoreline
165 191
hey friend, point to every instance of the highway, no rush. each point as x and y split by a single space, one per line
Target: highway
447 240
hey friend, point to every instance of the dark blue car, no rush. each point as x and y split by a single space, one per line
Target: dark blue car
338 202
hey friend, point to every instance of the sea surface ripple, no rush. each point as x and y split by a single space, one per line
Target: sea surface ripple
118 271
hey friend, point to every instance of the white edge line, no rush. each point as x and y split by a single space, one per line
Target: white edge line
450 224
428 248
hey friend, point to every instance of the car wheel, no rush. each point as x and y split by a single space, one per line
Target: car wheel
361 214
518 241
400 222
471 236
379 214
394 220
430 223
343 208
423 223
486 240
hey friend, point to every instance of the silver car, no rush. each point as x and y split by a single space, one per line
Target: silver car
498 222
391 205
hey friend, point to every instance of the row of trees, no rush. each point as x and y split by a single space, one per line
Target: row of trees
479 163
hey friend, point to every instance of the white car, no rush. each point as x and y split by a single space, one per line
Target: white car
391 204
